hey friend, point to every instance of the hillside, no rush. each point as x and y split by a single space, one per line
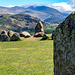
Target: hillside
54 20
48 10
20 22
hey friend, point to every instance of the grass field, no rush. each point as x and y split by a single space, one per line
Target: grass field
27 57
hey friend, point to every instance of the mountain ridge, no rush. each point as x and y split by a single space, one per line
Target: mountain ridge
42 12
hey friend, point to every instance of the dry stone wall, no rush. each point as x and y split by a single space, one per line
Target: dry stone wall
64 47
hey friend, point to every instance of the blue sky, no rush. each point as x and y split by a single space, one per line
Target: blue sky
27 2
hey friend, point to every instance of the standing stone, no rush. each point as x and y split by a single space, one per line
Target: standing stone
39 32
39 27
64 47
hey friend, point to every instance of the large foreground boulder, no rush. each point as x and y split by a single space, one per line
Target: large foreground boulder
64 47
39 32
15 37
4 37
52 35
25 34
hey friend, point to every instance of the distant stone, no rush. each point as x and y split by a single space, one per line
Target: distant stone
39 27
4 32
4 37
39 32
25 34
15 37
10 33
45 36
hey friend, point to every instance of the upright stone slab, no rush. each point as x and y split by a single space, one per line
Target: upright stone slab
39 27
39 32
64 47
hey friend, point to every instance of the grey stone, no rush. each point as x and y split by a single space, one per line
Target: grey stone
15 37
4 37
4 32
64 47
10 33
39 27
39 32
25 34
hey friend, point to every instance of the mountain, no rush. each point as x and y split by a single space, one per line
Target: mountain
46 9
12 10
50 11
54 15
19 22
42 12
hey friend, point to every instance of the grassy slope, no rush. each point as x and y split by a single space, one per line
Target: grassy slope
26 58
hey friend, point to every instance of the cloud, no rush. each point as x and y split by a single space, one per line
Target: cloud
72 3
10 6
28 5
64 7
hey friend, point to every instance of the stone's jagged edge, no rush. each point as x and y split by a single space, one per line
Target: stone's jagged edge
64 46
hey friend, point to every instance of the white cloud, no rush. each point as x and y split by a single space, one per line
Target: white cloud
10 6
72 3
64 7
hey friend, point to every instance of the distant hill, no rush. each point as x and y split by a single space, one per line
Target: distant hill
19 22
54 20
42 12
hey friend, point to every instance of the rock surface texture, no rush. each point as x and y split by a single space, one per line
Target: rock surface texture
64 47
39 32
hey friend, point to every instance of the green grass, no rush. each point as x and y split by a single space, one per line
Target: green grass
26 58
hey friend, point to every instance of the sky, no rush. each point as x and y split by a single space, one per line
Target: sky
11 3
